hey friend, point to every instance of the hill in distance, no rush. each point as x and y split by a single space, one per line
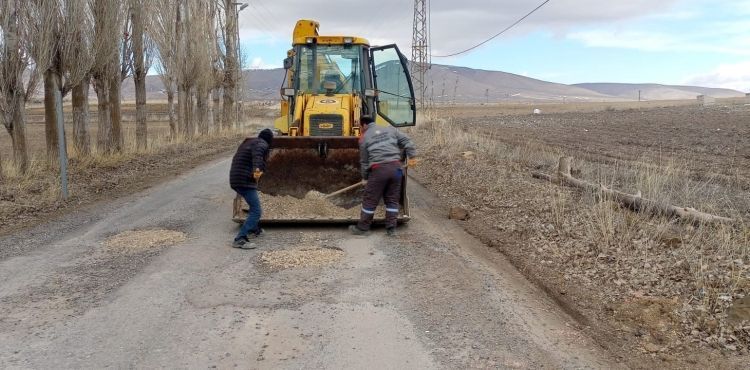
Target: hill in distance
446 84
656 91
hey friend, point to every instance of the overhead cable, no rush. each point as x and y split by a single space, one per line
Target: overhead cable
496 35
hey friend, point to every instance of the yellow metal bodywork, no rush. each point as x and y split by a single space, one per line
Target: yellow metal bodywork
332 40
296 165
306 28
347 105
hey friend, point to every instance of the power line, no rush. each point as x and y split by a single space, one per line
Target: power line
271 16
260 19
496 35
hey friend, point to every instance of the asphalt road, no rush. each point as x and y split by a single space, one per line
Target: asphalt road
433 297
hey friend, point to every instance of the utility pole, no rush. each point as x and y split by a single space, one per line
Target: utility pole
420 49
487 96
62 146
432 94
455 91
442 94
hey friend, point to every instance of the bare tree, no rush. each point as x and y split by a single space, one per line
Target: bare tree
123 67
23 30
14 61
77 57
71 27
218 67
181 67
195 48
137 9
49 12
230 62
107 17
163 23
205 57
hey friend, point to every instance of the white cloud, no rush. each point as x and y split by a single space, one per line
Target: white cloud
725 38
454 24
624 39
730 76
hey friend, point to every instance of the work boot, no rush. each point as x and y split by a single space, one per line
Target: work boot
391 231
243 243
357 231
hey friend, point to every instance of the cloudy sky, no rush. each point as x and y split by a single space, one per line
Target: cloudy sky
704 42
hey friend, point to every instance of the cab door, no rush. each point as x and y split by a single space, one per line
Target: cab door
394 93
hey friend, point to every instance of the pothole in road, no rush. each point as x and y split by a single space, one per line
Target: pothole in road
135 240
301 257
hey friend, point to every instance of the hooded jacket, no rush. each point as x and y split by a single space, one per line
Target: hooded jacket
252 154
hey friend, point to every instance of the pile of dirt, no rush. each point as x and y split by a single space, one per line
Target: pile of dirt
302 257
144 239
311 206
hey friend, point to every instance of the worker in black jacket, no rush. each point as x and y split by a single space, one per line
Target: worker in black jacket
248 165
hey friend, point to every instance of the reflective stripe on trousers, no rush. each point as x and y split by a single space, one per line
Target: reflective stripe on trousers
384 183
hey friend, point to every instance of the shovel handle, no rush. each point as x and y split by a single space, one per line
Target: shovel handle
350 187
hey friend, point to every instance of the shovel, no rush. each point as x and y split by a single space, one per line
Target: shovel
344 190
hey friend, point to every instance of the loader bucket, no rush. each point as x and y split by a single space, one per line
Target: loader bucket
297 175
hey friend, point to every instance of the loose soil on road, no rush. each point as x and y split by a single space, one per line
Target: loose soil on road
433 297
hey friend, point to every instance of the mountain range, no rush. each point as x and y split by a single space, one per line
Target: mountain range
446 84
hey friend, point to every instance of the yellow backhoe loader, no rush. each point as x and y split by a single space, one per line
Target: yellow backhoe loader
331 82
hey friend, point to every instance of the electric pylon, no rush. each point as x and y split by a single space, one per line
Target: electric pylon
420 50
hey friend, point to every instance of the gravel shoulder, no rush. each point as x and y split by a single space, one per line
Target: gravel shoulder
433 297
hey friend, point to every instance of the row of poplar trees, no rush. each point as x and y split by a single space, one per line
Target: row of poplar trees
67 46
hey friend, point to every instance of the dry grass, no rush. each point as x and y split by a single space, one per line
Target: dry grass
42 178
27 197
592 241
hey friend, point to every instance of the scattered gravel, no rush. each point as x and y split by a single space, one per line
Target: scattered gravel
145 239
312 206
303 257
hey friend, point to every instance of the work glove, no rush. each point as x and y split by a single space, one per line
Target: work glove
257 174
412 162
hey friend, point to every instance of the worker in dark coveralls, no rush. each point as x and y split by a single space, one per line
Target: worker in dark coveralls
248 165
380 150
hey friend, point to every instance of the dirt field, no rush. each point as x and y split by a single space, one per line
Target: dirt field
710 145
644 285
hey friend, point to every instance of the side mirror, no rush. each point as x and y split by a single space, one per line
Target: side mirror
287 92
288 62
